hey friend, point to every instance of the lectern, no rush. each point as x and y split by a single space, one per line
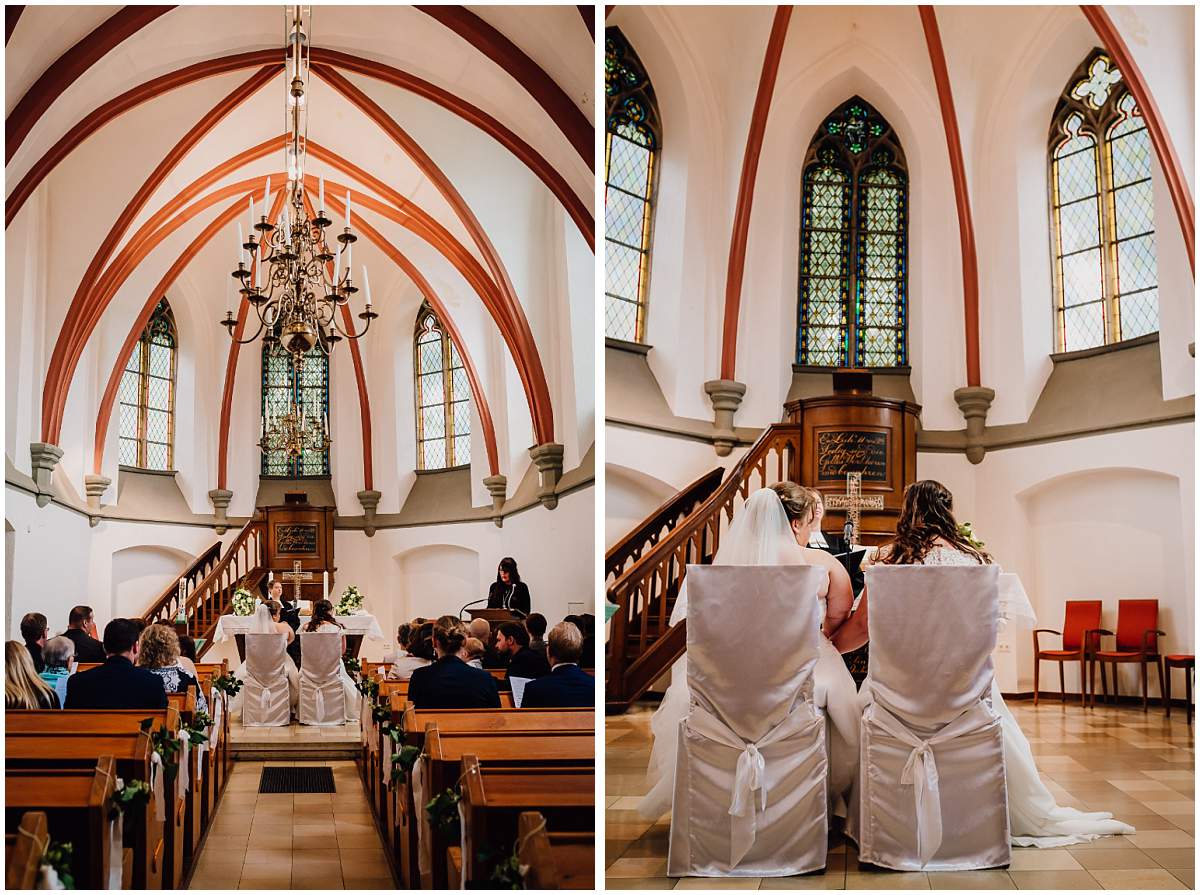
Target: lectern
494 616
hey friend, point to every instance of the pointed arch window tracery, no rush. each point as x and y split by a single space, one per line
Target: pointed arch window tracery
443 396
146 396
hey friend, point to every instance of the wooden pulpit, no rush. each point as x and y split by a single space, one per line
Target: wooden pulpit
300 533
494 616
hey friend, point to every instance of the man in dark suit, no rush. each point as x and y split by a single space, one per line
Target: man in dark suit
35 631
513 640
450 683
81 631
118 683
567 685
481 630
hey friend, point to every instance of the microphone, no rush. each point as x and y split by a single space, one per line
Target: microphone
472 603
848 533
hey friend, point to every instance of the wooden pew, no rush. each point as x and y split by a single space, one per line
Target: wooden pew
192 804
224 757
494 795
444 753
76 803
77 738
555 860
210 789
87 666
23 851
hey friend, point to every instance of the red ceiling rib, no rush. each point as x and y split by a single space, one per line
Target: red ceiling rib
68 67
576 209
12 15
962 198
735 269
543 88
1164 147
76 325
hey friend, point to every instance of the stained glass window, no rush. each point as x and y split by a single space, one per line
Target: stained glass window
443 397
1102 206
306 384
853 244
146 396
632 141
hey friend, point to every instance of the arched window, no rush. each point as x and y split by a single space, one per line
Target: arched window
853 244
305 385
443 397
1102 207
632 142
147 396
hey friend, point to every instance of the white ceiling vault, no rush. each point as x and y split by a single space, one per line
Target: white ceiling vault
495 173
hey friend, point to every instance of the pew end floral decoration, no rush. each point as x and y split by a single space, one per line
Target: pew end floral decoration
56 872
227 684
129 796
443 811
351 602
243 602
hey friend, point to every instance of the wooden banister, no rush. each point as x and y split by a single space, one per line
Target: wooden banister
642 644
209 591
631 547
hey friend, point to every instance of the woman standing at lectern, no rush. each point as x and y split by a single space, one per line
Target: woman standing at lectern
509 591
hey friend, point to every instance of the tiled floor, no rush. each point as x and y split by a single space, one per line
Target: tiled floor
299 733
1137 765
283 841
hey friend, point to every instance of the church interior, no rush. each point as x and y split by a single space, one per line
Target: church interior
250 186
856 247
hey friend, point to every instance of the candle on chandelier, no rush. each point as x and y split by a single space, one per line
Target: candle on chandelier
250 221
367 285
267 198
321 203
347 209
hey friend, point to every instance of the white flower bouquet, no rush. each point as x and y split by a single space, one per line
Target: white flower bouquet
351 602
243 602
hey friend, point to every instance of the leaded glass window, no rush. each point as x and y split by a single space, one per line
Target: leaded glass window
1102 211
443 397
853 244
305 385
632 142
146 396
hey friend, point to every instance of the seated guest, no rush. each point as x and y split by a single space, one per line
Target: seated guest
567 684
187 655
81 629
402 634
23 689
118 683
535 624
480 629
472 652
59 653
508 591
513 640
35 631
159 654
418 652
450 683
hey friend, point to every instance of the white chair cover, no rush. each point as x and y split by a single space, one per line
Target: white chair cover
266 700
322 697
750 779
931 793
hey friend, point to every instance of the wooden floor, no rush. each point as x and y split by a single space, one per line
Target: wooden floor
1137 765
282 841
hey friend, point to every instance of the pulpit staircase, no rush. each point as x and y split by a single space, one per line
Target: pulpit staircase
645 569
203 591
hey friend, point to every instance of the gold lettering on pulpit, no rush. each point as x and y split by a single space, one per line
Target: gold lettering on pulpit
296 537
852 450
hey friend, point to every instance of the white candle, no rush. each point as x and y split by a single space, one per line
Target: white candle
321 203
325 584
270 576
337 265
241 252
287 224
350 259
367 285
347 208
267 198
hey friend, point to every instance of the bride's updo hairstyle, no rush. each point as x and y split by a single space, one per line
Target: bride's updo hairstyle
799 503
928 515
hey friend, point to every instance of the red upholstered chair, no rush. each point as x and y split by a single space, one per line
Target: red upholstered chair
1081 616
1188 664
1137 641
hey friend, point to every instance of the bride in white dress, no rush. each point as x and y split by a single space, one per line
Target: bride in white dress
927 534
763 535
266 621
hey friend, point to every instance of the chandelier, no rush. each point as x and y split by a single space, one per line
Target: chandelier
294 433
292 289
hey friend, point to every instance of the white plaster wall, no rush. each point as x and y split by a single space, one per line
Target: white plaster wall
139 573
629 497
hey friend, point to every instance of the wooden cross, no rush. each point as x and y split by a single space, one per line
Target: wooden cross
854 502
296 576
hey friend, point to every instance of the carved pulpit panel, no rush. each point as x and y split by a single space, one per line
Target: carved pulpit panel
299 547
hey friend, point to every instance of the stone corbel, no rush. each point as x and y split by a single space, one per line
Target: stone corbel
497 486
369 501
726 396
220 498
974 403
95 485
44 457
548 458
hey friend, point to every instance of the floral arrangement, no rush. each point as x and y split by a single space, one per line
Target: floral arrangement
508 871
129 795
165 744
403 762
443 811
244 602
227 684
965 532
56 866
350 603
353 666
197 730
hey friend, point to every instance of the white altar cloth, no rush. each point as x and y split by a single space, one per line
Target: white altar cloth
365 624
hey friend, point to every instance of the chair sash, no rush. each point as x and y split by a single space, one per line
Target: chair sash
116 836
920 771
